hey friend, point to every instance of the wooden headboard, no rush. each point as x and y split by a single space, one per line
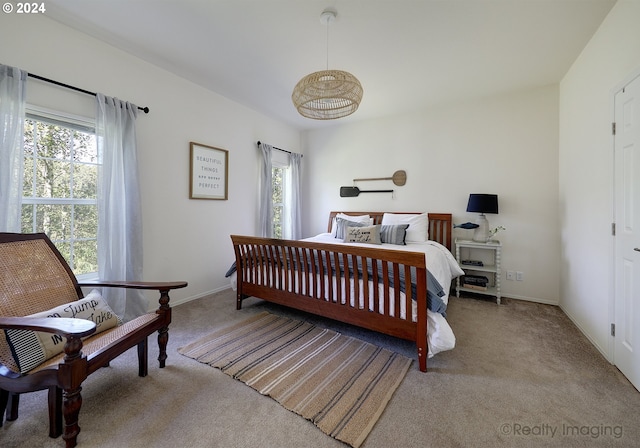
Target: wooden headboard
440 224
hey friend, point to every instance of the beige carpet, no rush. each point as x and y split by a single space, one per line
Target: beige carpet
521 376
339 383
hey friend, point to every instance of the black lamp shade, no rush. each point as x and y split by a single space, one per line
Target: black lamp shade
483 203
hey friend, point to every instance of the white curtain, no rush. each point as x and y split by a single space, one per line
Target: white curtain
294 196
266 193
119 208
13 82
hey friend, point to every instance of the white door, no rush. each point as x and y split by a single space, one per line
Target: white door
627 240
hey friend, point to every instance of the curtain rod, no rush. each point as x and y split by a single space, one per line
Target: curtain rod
280 149
77 89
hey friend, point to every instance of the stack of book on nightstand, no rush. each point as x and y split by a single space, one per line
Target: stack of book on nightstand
472 263
479 282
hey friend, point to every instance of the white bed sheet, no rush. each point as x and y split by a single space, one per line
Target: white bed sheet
441 264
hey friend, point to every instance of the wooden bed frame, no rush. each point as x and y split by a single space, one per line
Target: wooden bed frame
280 271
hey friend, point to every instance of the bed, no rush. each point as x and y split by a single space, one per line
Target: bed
368 270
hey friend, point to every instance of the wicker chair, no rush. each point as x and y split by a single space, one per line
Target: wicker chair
34 277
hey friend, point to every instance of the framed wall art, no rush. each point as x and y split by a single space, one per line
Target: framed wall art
209 171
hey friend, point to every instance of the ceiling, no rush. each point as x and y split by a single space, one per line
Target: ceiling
408 54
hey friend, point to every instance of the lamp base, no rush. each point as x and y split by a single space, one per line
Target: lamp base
481 233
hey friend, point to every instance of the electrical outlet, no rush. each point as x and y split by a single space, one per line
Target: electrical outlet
519 276
511 275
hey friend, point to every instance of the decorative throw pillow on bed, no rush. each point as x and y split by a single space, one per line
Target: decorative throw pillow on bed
32 348
369 234
394 234
342 224
365 220
418 230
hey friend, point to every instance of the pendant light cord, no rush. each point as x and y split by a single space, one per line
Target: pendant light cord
328 20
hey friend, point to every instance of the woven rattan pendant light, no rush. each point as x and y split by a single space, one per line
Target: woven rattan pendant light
327 94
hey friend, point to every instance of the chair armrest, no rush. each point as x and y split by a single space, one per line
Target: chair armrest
158 286
64 326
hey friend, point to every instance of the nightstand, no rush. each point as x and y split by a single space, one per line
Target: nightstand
481 265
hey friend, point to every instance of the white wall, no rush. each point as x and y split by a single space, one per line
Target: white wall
586 170
507 145
183 239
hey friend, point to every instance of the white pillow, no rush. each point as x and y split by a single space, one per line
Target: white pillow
32 348
362 219
418 230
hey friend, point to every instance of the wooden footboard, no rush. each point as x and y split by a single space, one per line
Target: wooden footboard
356 285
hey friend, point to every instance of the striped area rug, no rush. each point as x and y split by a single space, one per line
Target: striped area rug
340 383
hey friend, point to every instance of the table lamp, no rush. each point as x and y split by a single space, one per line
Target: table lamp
482 203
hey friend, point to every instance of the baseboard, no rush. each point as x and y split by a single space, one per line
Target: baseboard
176 302
532 299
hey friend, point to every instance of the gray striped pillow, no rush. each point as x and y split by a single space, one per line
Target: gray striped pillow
394 234
342 224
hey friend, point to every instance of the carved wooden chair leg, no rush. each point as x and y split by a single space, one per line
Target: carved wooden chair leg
9 402
4 398
163 333
163 339
55 412
143 357
71 404
12 406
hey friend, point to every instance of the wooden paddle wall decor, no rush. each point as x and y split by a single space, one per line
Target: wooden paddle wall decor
399 178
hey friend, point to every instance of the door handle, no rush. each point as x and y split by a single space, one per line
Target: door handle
637 249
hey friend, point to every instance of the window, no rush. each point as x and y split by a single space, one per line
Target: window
60 185
278 178
281 191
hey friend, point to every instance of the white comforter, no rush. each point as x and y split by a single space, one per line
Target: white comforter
441 264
